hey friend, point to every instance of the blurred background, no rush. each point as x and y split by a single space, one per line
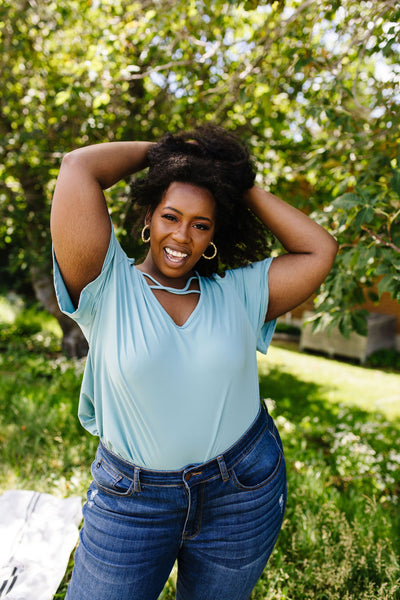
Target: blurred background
312 87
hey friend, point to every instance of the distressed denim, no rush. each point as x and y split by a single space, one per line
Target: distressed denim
219 520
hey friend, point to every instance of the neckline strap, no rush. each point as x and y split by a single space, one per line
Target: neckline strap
158 286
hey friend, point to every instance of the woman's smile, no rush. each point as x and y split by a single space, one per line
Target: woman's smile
175 255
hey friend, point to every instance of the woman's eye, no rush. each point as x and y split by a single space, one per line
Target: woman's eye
202 226
169 217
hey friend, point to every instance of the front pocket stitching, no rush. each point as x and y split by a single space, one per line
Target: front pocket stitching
114 492
242 456
112 472
263 483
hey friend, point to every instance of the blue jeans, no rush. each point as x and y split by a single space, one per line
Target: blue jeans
219 520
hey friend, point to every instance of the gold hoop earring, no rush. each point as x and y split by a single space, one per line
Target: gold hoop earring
145 240
214 253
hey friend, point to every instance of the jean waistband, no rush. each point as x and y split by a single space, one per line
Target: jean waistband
198 472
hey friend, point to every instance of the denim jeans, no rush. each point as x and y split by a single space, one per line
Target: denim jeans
219 520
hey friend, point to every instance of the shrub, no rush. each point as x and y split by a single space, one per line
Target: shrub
386 358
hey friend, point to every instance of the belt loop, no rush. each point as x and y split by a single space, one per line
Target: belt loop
136 480
222 468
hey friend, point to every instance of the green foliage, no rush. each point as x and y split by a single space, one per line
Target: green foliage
287 328
30 329
368 224
385 359
312 87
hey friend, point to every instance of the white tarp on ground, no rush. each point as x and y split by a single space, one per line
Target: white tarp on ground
37 535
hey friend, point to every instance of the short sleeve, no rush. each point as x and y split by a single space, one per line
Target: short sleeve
91 294
251 284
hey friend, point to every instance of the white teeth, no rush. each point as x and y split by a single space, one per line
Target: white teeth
175 253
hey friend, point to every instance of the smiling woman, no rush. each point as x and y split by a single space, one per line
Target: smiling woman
190 466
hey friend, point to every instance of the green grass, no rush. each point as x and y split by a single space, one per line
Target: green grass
42 445
371 389
340 426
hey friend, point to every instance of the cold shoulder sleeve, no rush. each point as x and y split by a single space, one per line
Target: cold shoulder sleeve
251 284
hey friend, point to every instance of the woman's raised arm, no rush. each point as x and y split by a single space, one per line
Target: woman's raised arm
80 224
311 251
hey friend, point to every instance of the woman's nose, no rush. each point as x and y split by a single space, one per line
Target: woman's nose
181 232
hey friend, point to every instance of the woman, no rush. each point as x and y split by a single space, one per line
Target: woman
189 466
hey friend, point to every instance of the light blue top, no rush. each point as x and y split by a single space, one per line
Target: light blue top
161 395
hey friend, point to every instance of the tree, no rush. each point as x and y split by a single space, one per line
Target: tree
312 87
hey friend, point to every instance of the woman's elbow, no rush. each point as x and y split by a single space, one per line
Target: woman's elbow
333 248
328 253
70 159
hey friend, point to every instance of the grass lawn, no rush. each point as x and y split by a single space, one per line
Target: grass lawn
370 389
340 426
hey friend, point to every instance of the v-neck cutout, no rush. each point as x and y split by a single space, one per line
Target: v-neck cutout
155 286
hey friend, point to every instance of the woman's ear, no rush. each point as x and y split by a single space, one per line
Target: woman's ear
147 219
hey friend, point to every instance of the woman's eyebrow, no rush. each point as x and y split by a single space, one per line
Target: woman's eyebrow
180 213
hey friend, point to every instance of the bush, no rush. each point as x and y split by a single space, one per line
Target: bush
28 329
287 328
387 358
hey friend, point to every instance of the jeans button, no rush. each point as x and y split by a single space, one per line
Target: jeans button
188 476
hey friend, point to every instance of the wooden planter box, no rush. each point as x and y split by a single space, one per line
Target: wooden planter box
381 334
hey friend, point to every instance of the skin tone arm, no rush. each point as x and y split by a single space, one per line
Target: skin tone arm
80 224
311 251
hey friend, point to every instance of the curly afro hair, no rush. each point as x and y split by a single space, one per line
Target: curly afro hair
215 159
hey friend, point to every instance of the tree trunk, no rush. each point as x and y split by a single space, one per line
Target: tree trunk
74 343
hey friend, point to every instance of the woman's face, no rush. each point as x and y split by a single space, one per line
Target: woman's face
181 228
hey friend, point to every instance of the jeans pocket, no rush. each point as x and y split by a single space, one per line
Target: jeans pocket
110 480
260 465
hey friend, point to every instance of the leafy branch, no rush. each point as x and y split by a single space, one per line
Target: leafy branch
378 238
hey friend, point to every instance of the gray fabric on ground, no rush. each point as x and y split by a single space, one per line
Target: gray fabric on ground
37 535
